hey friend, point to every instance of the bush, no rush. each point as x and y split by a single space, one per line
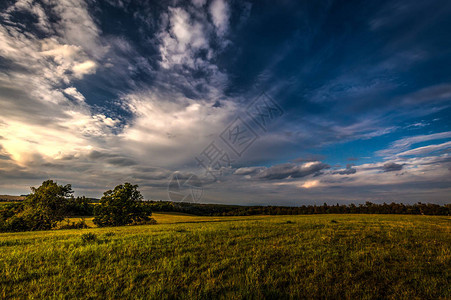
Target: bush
15 224
72 225
88 237
9 210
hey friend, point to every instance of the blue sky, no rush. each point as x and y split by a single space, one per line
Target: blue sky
96 93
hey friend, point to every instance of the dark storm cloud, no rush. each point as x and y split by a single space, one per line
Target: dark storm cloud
12 175
292 170
391 167
112 159
309 158
283 171
348 171
121 161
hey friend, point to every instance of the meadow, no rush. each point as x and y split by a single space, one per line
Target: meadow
250 257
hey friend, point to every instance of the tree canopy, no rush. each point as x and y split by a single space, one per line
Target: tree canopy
122 206
47 205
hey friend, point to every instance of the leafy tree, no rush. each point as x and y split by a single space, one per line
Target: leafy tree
46 205
122 206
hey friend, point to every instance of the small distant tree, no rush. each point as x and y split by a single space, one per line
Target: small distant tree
122 206
46 205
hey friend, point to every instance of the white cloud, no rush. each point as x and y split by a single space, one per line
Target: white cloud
220 14
77 26
184 39
304 184
199 3
173 131
310 183
425 149
81 69
403 145
50 47
71 91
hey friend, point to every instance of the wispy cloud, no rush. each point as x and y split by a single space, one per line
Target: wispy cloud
401 146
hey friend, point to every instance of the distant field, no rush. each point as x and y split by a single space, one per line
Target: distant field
8 198
184 256
174 218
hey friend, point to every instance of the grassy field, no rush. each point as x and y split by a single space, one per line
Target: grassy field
255 257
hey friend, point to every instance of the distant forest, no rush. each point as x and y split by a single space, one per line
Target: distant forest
85 206
236 210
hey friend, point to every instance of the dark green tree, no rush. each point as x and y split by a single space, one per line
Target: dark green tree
80 206
122 206
46 205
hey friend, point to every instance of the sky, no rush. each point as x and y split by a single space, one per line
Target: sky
262 103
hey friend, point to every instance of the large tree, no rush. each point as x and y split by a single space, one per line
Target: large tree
122 206
46 205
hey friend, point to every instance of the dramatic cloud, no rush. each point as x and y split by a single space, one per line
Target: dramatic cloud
99 93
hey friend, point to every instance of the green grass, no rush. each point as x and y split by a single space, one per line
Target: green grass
7 203
255 257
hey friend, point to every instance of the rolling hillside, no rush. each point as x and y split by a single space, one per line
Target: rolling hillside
199 257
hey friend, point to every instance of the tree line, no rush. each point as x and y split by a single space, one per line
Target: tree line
236 210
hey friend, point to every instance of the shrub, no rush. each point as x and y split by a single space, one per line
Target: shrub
72 225
15 224
9 219
88 237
